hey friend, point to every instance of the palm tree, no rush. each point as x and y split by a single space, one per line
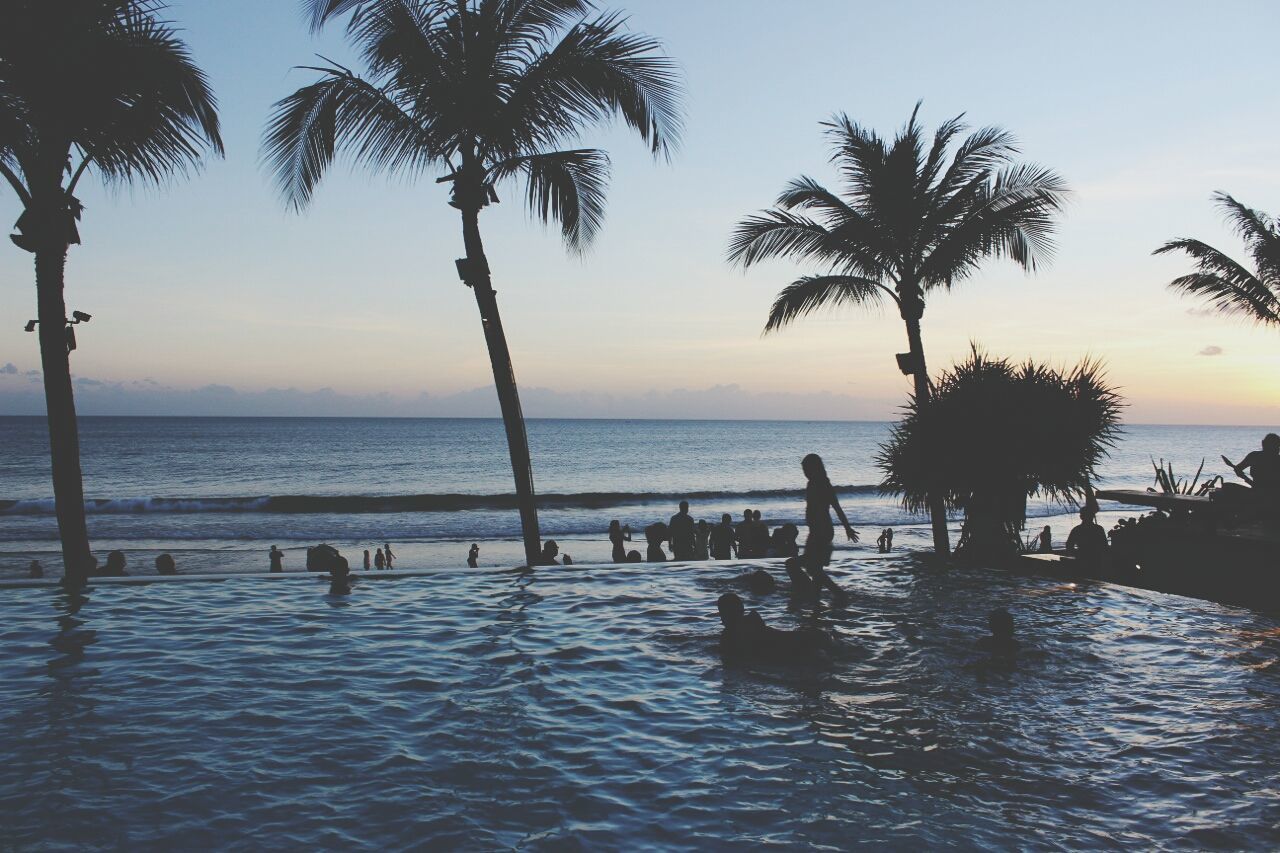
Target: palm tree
101 86
1226 285
483 90
908 222
995 434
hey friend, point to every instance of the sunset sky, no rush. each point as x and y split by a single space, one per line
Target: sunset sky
209 297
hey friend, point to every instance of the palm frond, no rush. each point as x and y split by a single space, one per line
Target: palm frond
1223 283
813 292
340 109
566 187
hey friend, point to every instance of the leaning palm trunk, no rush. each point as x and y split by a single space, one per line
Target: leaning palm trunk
504 379
64 437
920 375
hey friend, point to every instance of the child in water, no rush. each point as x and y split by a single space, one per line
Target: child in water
819 497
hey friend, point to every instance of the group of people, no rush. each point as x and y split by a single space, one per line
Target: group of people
115 567
698 540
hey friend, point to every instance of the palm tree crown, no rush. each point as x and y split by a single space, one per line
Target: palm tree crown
908 221
1226 285
106 82
483 90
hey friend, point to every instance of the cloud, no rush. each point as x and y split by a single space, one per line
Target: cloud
10 369
1203 312
729 402
1210 350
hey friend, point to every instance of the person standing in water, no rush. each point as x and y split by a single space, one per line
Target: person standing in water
680 531
1046 540
473 556
819 498
701 537
379 561
366 559
617 535
722 538
277 559
389 555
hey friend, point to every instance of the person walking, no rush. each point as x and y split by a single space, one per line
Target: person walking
819 498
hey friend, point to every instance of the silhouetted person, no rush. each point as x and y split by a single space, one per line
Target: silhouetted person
819 498
473 556
277 559
882 541
746 637
701 540
721 538
655 534
759 535
742 535
389 556
888 539
367 561
1088 541
634 557
617 535
802 586
761 582
1263 467
379 561
115 565
165 565
551 550
35 570
339 576
1001 639
1046 541
680 532
783 542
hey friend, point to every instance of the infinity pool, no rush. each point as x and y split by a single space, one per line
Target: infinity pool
589 708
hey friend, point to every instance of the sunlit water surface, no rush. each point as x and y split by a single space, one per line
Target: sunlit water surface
588 707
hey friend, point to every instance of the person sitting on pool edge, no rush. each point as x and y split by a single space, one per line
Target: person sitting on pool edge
746 636
1087 541
1001 639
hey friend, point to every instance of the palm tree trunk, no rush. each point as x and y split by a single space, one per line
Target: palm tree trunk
937 507
504 379
64 435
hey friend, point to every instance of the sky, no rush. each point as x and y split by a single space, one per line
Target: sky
208 296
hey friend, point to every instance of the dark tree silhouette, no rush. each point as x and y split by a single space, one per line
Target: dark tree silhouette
102 86
995 434
483 90
1227 286
912 217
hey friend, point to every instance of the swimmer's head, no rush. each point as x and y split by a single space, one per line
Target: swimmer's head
761 582
634 557
731 609
746 515
1000 621
755 515
684 506
726 519
550 548
1271 442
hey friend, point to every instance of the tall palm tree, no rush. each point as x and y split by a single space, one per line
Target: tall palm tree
912 217
482 90
1226 285
87 86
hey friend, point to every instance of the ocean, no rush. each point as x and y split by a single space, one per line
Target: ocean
217 492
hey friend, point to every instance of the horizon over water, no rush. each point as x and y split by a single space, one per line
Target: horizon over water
217 491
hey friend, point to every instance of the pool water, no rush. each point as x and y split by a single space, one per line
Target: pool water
589 708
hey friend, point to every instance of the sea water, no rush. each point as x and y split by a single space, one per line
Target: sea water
588 708
217 492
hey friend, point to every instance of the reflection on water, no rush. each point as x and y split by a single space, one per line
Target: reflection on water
590 707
